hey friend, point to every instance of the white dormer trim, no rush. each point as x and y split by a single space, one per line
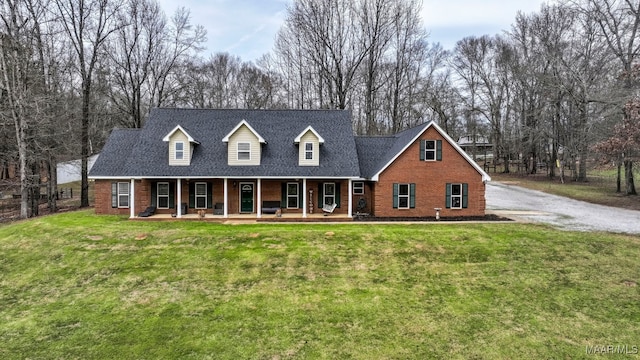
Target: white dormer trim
245 123
309 128
189 137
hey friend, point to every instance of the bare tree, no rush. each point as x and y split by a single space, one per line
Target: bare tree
411 65
25 71
14 62
619 23
132 50
88 24
330 40
177 45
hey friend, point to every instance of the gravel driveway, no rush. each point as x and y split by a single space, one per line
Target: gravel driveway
564 213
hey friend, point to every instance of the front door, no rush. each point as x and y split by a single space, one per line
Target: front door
246 198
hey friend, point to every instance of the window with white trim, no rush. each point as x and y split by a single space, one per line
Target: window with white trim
179 150
430 150
403 196
358 188
308 151
123 195
201 195
329 193
293 195
456 196
163 195
244 151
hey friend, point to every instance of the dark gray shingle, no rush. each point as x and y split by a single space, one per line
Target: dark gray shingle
374 152
115 153
149 156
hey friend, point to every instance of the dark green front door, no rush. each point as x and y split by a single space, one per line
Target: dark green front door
246 198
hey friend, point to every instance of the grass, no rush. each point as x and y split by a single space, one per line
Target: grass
76 285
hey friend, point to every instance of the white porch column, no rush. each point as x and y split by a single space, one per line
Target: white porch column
304 197
350 210
226 199
179 204
132 200
259 200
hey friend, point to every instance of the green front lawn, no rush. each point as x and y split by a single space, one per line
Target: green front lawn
76 285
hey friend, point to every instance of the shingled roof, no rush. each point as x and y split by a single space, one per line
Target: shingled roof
375 152
112 161
145 155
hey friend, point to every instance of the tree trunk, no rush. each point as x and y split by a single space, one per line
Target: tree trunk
24 180
34 190
619 178
507 168
628 174
52 185
84 190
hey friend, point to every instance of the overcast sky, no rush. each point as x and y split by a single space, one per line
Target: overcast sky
247 28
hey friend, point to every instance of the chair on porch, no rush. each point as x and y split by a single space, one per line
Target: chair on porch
328 209
148 212
218 209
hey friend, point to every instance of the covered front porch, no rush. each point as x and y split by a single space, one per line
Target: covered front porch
262 199
250 218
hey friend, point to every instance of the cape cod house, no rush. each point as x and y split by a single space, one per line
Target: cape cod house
254 163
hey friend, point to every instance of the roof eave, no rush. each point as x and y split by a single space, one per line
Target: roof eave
243 122
178 127
485 176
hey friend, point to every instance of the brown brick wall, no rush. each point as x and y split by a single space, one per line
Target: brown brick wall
103 198
367 196
430 178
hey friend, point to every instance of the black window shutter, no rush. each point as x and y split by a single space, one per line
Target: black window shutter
395 195
172 195
439 150
320 195
465 195
209 195
283 195
192 194
300 197
337 192
448 196
154 194
422 149
114 194
412 195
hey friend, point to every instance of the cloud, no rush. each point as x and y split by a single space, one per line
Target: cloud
242 27
451 20
438 13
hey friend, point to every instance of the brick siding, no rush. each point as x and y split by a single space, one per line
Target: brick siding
430 178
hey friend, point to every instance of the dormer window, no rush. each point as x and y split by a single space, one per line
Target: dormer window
308 151
181 146
179 150
308 142
244 145
244 151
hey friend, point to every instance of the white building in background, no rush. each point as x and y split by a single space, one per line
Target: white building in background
480 149
69 171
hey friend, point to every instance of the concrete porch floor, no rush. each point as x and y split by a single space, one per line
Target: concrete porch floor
249 218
